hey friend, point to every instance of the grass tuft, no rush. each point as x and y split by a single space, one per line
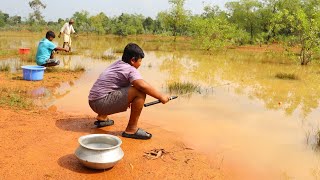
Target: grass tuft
117 50
183 88
318 139
15 99
5 67
109 57
287 76
77 68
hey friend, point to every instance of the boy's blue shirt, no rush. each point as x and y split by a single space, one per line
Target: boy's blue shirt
45 48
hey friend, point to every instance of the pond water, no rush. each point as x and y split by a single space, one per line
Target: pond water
252 124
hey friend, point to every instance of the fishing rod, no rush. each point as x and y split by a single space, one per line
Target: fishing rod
158 101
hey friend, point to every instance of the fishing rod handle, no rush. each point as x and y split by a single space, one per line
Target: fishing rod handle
152 103
158 101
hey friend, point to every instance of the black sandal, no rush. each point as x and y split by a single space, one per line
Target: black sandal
140 134
100 123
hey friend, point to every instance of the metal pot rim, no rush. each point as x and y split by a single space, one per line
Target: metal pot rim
82 138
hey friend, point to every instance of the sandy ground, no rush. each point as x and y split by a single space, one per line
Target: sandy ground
40 144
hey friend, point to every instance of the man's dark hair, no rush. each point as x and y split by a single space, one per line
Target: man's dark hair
132 50
50 34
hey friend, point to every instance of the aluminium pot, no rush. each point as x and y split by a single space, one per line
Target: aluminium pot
99 151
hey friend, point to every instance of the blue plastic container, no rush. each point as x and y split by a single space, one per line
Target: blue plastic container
33 73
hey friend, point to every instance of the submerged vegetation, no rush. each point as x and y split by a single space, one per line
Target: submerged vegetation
109 57
5 67
318 139
287 76
117 50
76 68
183 87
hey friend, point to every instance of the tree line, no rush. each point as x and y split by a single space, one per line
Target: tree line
294 22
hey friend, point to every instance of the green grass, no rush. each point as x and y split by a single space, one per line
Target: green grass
8 52
183 88
318 139
5 67
17 66
31 57
15 99
287 76
70 53
109 57
76 68
117 50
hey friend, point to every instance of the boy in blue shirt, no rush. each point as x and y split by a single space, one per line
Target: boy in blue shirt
45 52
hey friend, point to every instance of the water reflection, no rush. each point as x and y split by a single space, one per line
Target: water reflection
39 92
66 61
250 78
47 97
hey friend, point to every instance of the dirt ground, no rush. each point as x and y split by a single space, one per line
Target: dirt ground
40 144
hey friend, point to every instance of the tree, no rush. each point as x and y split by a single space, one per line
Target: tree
176 19
2 19
128 24
245 14
6 17
60 21
269 8
99 23
14 20
36 16
162 22
82 21
149 25
216 32
299 21
213 12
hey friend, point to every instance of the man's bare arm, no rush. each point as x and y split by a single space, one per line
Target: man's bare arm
143 86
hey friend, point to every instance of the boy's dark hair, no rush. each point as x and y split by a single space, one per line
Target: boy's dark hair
132 50
50 34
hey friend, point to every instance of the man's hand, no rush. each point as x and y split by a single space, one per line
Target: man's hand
66 49
164 99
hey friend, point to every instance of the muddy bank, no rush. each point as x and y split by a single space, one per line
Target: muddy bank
41 144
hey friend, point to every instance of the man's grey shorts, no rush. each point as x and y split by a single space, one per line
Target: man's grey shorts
114 102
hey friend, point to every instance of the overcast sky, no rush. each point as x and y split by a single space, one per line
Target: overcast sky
66 8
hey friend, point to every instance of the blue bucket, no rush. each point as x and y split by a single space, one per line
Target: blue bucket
33 73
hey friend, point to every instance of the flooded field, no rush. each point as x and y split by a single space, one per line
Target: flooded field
255 113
